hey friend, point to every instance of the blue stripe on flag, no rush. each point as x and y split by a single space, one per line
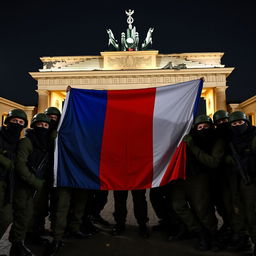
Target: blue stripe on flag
80 139
199 92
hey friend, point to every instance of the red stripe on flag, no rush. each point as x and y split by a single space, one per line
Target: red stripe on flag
177 167
127 145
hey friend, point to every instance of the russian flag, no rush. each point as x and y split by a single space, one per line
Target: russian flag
124 139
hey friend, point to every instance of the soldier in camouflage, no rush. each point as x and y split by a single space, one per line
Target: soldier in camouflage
31 170
191 197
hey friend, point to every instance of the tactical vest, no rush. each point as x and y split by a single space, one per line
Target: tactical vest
193 165
247 154
38 160
8 150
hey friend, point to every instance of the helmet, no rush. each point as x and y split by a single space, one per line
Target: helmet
52 111
40 117
238 115
220 114
202 119
19 113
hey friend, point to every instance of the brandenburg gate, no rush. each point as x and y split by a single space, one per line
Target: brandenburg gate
130 66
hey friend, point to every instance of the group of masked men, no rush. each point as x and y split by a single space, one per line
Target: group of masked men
220 184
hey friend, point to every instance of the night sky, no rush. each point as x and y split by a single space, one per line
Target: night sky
33 29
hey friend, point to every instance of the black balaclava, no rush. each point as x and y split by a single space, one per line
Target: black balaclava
239 129
223 130
41 131
54 124
13 130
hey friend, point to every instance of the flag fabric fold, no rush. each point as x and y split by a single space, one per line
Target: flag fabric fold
124 139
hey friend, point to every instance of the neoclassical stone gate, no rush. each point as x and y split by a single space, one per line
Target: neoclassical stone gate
131 69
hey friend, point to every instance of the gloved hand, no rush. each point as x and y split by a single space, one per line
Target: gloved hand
188 139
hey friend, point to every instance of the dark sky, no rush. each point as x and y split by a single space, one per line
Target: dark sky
33 29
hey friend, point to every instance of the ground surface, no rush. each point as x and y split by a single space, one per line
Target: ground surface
128 244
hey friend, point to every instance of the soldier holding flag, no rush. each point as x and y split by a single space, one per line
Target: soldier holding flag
191 197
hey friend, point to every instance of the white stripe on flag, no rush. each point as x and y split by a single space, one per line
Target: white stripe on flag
173 117
55 166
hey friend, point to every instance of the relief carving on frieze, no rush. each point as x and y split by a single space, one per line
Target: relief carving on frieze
129 62
54 64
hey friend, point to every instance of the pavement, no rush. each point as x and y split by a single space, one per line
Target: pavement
128 244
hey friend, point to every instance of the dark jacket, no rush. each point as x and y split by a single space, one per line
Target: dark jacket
242 154
203 154
7 158
30 154
7 153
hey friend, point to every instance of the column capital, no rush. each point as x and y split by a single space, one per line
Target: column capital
42 92
221 88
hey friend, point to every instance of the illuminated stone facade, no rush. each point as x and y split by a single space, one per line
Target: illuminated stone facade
7 105
127 70
131 69
247 106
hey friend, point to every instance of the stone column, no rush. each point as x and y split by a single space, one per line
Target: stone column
43 100
30 111
220 98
